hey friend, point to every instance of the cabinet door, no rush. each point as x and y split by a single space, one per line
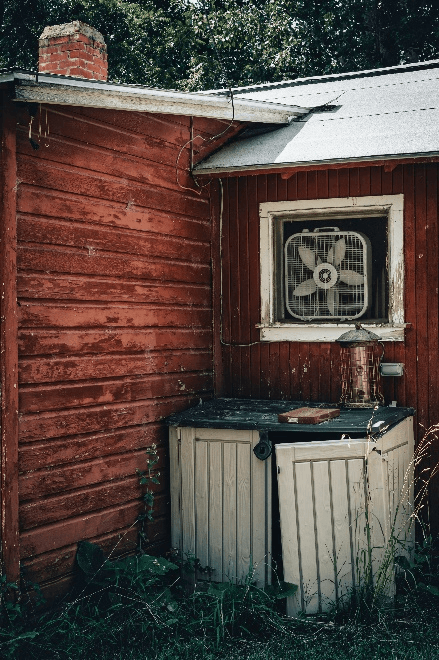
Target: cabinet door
391 485
321 504
221 502
345 508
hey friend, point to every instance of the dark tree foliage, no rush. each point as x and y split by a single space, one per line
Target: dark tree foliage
148 41
202 44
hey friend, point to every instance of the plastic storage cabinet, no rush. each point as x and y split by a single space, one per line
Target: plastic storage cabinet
342 502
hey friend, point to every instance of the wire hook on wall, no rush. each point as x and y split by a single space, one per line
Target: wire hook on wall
33 110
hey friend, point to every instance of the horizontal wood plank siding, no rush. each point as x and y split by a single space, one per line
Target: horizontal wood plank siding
115 324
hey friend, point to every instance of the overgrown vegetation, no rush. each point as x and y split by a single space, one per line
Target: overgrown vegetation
150 607
143 607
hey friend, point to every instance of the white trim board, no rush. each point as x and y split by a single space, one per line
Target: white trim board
61 90
391 206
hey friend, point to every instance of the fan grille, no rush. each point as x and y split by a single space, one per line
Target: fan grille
326 275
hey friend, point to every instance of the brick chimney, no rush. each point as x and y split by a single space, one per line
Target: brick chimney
73 49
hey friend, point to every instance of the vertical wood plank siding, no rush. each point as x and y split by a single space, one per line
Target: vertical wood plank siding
311 370
115 324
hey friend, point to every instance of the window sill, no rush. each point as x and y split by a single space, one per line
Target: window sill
326 332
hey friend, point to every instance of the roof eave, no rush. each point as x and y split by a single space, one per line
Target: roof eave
60 90
292 167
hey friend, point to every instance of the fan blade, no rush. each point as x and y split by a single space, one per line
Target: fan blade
308 257
351 277
332 301
337 252
305 288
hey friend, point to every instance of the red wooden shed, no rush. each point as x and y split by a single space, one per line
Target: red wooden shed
131 289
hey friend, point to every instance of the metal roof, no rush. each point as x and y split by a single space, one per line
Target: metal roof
64 90
381 114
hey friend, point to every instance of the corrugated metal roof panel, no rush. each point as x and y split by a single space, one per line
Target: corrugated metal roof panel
375 116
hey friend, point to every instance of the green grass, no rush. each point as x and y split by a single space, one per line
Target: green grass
141 608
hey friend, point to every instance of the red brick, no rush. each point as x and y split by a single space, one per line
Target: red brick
59 40
48 50
85 57
79 71
65 48
55 57
48 67
91 66
74 55
91 50
81 37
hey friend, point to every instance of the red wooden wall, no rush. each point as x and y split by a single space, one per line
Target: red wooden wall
115 314
310 371
115 324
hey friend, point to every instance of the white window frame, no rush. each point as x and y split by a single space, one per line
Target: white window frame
391 206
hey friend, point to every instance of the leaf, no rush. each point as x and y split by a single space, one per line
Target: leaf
171 622
89 557
155 565
404 563
281 589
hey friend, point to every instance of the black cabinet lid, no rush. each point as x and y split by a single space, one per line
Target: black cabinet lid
262 416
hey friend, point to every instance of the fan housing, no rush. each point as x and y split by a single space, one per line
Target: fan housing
327 274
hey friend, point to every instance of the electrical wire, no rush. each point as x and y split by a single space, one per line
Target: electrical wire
207 141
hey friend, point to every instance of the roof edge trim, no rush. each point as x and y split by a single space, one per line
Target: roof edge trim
61 90
292 168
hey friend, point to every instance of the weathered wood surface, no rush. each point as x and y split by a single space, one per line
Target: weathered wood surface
50 453
72 315
60 397
9 536
109 340
41 370
91 262
127 215
99 418
115 323
96 239
76 287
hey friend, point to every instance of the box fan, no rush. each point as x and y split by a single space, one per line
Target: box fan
327 274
